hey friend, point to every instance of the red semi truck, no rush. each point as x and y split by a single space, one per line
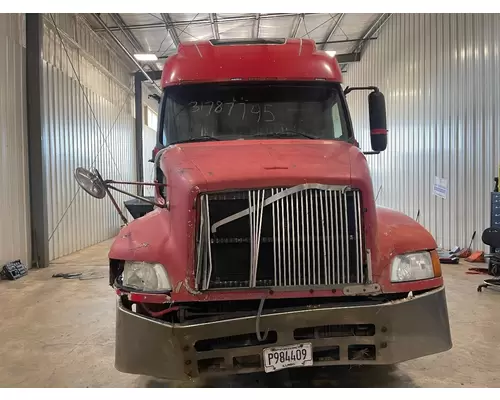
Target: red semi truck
264 249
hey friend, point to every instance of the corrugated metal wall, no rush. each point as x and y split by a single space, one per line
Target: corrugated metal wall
15 237
90 127
440 74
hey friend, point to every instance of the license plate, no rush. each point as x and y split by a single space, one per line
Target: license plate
297 355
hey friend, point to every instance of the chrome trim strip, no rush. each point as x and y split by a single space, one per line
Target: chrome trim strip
209 244
281 195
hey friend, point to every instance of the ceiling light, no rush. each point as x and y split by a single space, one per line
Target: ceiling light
331 53
145 57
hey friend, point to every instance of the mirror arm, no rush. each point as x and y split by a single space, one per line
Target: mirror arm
138 197
349 89
115 204
369 153
109 181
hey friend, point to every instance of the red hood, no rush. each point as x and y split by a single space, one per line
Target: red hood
245 163
192 168
170 235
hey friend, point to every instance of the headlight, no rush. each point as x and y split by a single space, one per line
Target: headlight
414 267
145 276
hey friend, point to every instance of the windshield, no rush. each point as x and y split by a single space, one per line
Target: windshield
239 110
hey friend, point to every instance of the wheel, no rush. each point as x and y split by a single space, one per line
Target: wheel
494 269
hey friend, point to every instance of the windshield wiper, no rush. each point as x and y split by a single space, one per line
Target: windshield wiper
286 132
204 138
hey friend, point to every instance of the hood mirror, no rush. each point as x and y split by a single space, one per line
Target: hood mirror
93 184
90 182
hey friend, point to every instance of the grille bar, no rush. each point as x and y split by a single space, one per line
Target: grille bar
359 237
311 235
255 205
209 273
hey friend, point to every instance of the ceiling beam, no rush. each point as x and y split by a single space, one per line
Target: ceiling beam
128 35
256 26
136 45
343 41
171 29
215 26
370 33
125 50
332 31
201 21
348 58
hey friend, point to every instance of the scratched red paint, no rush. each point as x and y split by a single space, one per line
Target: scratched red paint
211 166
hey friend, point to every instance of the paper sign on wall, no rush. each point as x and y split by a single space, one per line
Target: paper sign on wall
440 187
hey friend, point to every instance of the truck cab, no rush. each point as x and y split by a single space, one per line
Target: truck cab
265 249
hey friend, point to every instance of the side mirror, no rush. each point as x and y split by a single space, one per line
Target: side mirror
378 122
90 182
93 184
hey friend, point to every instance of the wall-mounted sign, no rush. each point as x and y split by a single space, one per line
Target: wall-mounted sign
440 188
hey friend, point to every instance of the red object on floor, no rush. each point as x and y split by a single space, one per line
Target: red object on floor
477 271
477 256
464 253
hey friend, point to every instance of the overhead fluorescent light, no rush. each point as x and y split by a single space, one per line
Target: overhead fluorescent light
331 53
145 57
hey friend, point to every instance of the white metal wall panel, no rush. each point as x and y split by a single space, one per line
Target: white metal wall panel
440 76
15 237
73 138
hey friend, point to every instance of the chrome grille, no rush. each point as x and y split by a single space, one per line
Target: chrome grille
306 235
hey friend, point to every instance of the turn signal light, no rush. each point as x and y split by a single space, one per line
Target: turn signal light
436 264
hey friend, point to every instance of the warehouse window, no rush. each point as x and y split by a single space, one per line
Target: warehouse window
151 119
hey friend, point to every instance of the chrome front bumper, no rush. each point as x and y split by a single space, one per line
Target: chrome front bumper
403 330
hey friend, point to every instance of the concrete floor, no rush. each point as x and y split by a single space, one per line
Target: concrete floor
60 333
